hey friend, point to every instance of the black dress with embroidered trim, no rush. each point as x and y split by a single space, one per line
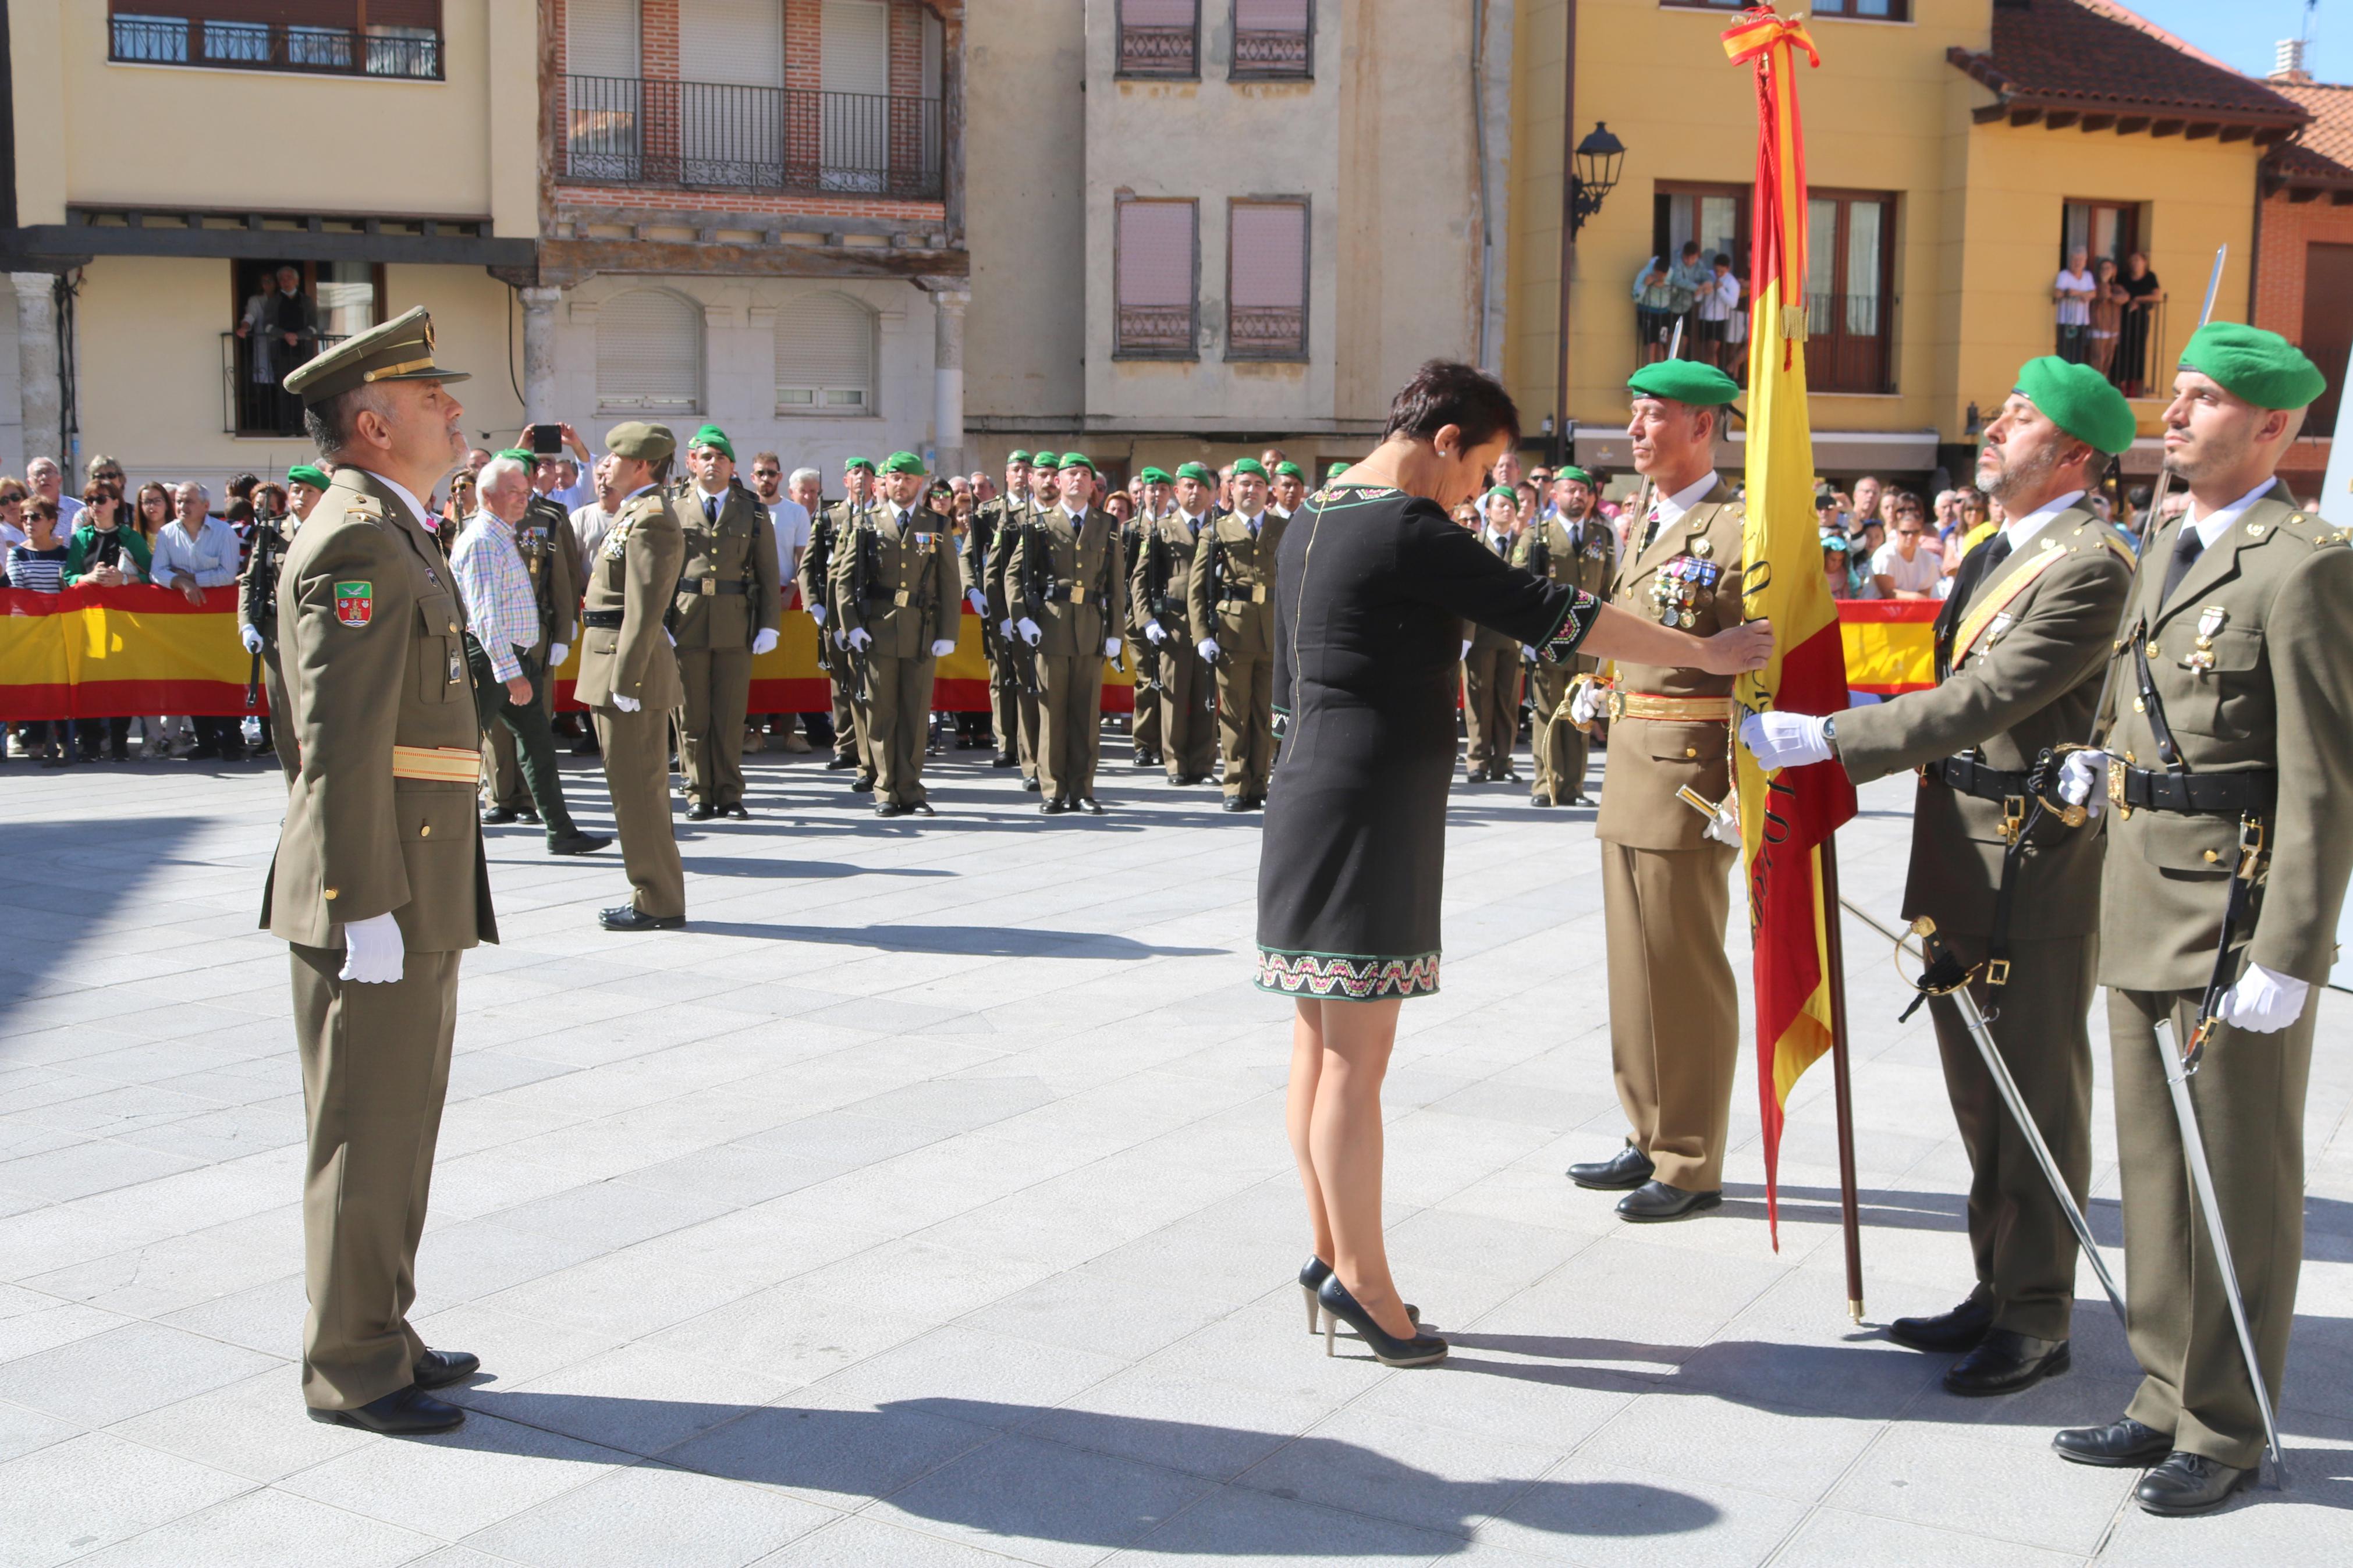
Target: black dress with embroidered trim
1371 591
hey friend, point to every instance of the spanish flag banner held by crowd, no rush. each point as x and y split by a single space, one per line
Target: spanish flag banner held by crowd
1786 819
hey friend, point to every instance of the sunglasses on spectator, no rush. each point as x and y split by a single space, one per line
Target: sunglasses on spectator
767 473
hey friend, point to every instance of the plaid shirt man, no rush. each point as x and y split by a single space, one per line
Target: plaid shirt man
496 586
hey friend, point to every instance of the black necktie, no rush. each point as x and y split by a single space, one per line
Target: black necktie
2186 552
711 511
1976 566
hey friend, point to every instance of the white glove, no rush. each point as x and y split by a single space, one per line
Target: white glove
374 952
1724 825
2263 1001
1466 650
816 613
1207 648
861 639
943 646
2081 781
1154 634
978 600
626 704
1588 704
1785 739
1029 630
251 637
1005 628
1111 648
765 642
556 652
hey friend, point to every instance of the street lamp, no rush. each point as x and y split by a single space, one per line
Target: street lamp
1598 159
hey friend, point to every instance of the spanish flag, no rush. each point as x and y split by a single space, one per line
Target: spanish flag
1786 819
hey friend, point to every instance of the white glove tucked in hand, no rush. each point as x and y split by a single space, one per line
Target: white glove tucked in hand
1154 634
373 951
816 613
2082 781
1588 704
765 642
943 646
251 637
1207 648
626 704
1005 628
556 654
1466 650
1111 648
861 639
1785 739
978 600
2263 1001
1029 630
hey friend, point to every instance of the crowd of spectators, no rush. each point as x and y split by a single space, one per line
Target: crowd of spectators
2107 316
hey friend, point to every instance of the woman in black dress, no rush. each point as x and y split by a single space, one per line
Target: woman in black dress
1374 583
2141 291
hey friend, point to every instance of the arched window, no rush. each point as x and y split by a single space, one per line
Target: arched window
649 354
824 356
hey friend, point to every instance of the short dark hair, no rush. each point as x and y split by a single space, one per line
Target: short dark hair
1691 248
1723 259
242 485
1447 392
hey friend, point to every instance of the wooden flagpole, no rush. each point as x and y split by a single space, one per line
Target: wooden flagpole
1850 1198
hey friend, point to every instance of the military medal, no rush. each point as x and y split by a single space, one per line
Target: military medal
2210 621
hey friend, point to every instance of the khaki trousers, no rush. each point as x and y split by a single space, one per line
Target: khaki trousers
1070 723
376 1070
1189 730
895 725
845 724
282 727
2019 1235
710 735
1560 746
1005 703
1025 724
1491 707
1246 722
1146 726
1675 1016
2249 1092
636 775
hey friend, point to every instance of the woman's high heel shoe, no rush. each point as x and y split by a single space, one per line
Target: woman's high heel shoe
1312 1275
1422 1350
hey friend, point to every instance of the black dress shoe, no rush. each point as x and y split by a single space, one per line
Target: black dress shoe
1630 1167
629 917
841 761
1145 760
1947 1334
699 812
411 1412
528 814
1654 1201
1004 760
586 746
2005 1363
889 808
1030 783
1089 804
2123 1444
2189 1483
1476 775
737 811
578 844
1051 807
497 816
1540 801
922 808
440 1369
1253 803
1234 803
862 784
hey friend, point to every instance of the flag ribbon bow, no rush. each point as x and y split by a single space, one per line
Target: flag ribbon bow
1753 37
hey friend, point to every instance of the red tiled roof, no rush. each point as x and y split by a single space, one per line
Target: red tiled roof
2095 57
2323 151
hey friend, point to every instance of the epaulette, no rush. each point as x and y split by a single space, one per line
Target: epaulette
2313 529
364 504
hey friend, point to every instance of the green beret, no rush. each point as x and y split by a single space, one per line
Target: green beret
304 474
1336 471
636 438
2080 401
1293 469
1685 381
1249 466
400 349
849 463
1013 457
1506 491
1200 472
903 463
711 436
1075 461
1157 476
1571 471
520 454
2261 367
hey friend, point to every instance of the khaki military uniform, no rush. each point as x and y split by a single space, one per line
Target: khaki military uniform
1160 586
2253 673
624 652
1675 1016
896 579
2031 642
257 606
728 593
551 552
380 819
1231 602
816 592
1018 521
1584 556
1082 586
986 541
1491 694
1143 723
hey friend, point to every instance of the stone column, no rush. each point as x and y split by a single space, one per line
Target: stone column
539 354
947 378
36 366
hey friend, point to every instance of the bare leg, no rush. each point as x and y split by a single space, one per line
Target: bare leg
1299 1110
1343 1138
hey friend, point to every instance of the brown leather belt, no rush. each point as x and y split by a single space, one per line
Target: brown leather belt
1669 709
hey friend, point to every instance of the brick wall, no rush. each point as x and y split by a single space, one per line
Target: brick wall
659 45
2287 227
804 58
923 218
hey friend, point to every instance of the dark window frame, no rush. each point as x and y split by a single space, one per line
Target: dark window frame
243 399
1821 373
138 30
1120 68
1898 11
1664 193
1306 276
1192 349
1236 71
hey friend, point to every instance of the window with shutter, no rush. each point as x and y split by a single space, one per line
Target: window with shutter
649 354
824 356
1266 281
1157 259
731 101
1272 38
854 69
1160 37
603 99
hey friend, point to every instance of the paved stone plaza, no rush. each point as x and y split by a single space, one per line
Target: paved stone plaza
926 1202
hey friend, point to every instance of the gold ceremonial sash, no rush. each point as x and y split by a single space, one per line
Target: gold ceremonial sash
1670 709
1974 623
442 765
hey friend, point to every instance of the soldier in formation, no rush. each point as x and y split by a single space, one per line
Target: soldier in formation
1068 582
894 590
1152 485
988 536
1490 665
728 611
1045 490
1160 615
1574 546
827 527
1231 603
257 600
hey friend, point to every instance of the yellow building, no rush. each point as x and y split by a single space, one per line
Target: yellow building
1956 151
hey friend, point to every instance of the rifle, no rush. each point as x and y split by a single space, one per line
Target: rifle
861 572
261 598
820 562
1216 595
1104 586
1030 595
1151 667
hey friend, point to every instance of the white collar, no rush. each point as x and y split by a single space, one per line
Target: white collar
1251 520
2220 521
719 494
1671 508
1076 517
2019 530
415 507
636 493
1190 519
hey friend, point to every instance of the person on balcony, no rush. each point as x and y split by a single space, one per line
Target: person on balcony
279 327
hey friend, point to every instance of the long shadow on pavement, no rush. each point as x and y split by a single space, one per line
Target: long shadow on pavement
970 941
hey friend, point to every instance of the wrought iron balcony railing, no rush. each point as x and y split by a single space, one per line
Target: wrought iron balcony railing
632 130
1276 53
1266 331
1155 331
412 54
252 403
1158 51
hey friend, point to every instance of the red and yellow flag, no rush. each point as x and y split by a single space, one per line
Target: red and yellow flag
1787 818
